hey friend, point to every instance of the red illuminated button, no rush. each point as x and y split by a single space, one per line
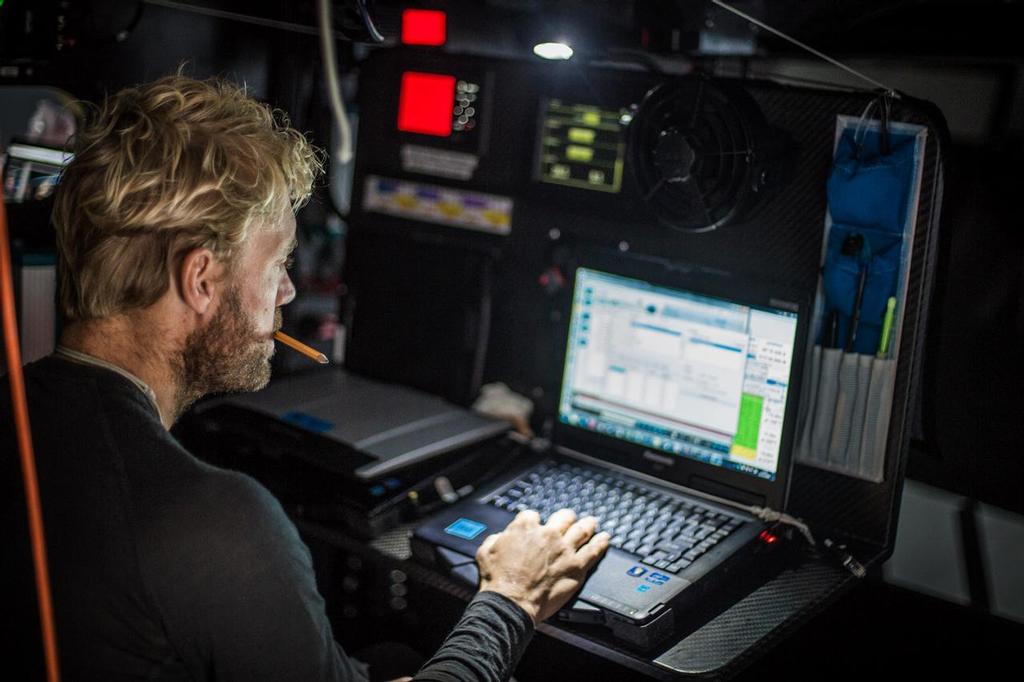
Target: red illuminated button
767 538
425 103
424 27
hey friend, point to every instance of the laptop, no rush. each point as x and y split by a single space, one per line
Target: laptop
675 420
32 171
378 429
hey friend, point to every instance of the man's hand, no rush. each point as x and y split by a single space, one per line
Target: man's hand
540 566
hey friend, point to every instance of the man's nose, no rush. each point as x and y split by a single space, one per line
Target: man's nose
285 291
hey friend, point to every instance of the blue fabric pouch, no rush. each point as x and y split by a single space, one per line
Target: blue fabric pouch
869 192
867 187
842 275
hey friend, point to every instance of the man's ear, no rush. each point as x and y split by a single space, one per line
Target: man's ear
201 276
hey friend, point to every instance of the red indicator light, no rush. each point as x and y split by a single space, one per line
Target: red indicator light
424 27
425 103
767 538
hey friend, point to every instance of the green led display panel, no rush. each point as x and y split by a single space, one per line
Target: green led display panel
581 146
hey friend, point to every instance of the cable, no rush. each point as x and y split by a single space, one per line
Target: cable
804 46
236 16
771 516
19 405
343 152
838 551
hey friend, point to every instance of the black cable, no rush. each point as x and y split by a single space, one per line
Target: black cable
243 18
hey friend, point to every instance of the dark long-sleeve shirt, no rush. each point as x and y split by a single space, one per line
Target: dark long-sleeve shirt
164 567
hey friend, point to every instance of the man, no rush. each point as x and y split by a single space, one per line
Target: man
175 223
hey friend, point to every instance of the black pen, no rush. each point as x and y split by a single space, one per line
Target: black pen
854 246
832 338
855 320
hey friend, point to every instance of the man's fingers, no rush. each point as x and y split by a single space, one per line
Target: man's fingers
589 553
581 531
561 520
527 517
488 541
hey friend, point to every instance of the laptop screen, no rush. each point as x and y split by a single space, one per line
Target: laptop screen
32 171
678 372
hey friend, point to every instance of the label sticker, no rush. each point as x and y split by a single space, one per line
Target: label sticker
490 213
431 161
643 588
307 421
465 528
657 578
636 571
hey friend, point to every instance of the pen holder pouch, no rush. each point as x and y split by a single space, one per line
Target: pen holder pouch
858 412
825 404
842 416
877 412
805 415
846 420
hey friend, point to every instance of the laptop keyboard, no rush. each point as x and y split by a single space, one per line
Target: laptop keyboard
663 530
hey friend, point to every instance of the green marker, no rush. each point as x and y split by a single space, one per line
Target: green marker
883 343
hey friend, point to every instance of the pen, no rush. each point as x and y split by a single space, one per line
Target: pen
832 339
301 347
883 343
855 320
854 246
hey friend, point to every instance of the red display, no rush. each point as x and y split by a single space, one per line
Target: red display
425 103
424 27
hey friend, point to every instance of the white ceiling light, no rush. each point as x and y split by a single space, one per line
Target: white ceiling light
552 50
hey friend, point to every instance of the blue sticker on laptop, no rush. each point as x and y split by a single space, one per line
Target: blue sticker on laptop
467 529
657 578
636 571
642 587
307 421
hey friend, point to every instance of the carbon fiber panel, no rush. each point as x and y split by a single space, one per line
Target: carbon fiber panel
727 642
782 241
859 509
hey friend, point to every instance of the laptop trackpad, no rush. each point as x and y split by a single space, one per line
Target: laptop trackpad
623 585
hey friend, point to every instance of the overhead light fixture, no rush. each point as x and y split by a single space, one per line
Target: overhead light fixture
552 50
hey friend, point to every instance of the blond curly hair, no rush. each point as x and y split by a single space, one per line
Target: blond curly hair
164 168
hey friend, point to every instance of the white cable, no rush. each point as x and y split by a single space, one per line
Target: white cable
771 516
839 551
804 46
343 151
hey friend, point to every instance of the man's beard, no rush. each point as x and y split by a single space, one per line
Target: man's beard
227 355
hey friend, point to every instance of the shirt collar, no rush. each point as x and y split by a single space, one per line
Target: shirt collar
86 359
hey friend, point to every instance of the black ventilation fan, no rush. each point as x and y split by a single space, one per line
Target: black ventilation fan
703 154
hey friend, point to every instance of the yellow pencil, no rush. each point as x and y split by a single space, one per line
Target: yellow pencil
301 347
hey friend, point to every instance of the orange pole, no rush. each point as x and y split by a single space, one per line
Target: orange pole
28 462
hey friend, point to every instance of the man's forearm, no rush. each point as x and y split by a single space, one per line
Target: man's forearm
485 645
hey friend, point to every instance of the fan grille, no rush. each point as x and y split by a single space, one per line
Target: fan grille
693 149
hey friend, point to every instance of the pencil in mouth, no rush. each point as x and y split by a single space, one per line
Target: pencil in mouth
301 347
